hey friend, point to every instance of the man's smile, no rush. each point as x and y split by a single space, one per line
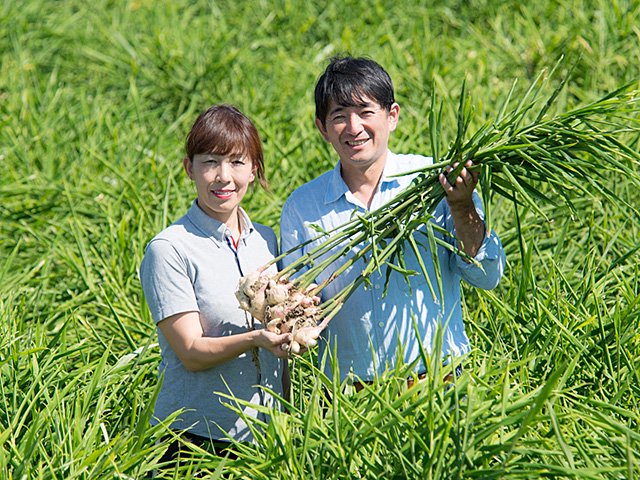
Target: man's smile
356 143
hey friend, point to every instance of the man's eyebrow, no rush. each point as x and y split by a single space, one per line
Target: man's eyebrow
339 108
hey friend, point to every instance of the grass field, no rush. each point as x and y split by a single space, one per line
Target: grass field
95 101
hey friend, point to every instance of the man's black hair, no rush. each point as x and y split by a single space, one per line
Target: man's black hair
348 81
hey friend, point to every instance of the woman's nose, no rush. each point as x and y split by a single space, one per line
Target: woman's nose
222 172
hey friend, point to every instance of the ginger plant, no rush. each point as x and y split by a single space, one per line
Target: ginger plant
564 154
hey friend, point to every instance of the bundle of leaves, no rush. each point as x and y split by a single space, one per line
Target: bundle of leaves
547 159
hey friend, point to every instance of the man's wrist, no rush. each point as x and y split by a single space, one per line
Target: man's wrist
463 209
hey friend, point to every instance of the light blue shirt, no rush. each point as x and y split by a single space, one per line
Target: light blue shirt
370 327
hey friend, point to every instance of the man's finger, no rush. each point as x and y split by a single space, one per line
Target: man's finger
445 183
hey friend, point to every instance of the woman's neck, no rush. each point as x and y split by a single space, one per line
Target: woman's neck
234 224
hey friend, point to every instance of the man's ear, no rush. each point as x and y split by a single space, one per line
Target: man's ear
188 167
394 114
322 129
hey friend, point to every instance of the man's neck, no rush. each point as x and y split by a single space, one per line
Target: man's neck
363 183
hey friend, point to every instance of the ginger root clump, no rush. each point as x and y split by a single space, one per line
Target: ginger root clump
282 307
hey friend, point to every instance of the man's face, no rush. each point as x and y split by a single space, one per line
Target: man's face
360 134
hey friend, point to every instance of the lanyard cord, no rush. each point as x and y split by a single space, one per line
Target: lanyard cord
250 321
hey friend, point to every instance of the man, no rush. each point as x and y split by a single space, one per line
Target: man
356 113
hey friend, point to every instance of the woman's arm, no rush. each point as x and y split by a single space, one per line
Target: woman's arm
186 338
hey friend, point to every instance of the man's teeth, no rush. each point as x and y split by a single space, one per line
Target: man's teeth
356 143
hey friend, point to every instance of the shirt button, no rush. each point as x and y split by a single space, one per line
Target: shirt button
380 324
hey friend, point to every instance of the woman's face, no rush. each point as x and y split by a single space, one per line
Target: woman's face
221 182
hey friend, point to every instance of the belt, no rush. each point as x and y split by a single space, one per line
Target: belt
411 381
421 376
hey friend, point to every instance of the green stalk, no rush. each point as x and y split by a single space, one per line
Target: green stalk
568 153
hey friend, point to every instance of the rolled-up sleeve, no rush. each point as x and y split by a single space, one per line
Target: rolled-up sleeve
492 258
491 255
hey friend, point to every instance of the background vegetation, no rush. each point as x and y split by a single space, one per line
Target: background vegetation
95 102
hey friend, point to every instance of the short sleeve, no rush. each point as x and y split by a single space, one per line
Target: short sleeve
167 281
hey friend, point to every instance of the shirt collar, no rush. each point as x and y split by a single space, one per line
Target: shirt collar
337 187
246 227
391 167
215 229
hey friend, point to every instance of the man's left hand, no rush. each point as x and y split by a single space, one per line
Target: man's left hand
470 229
460 193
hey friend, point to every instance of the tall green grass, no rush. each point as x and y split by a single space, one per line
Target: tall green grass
95 101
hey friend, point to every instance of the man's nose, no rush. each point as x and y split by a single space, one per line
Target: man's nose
354 123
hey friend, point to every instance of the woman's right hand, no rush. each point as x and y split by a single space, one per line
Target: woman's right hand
197 352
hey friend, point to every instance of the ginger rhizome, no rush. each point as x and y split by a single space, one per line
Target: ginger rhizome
282 307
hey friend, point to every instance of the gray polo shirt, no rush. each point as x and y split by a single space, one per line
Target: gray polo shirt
192 266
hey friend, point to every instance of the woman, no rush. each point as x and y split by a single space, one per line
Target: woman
189 274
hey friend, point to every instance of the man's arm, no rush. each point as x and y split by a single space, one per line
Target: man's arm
470 228
465 212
